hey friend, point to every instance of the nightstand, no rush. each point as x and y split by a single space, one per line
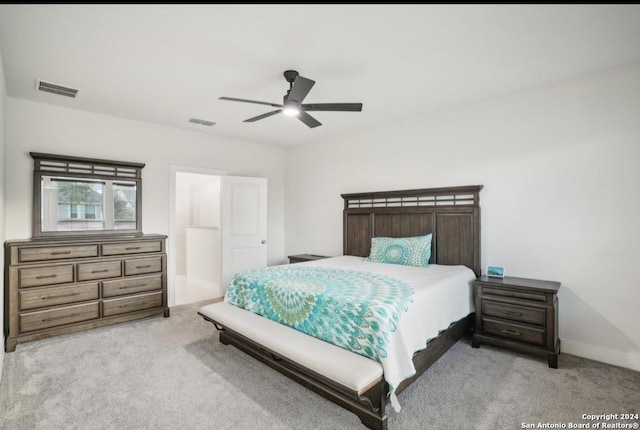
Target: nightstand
519 314
305 257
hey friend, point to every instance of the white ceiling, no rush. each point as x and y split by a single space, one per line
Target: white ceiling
165 64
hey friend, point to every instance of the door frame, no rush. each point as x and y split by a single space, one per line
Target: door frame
174 169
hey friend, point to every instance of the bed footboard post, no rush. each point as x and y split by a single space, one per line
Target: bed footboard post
224 338
374 416
378 423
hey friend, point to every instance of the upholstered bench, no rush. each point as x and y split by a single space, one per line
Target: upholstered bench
348 369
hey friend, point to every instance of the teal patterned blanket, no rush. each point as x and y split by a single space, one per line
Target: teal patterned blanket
358 311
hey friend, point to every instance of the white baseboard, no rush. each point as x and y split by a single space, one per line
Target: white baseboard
598 353
1 360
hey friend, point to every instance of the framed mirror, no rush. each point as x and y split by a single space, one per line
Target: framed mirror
83 196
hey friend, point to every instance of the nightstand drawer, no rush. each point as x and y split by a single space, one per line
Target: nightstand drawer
489 291
518 332
513 312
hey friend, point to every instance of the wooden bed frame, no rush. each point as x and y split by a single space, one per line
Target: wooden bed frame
452 215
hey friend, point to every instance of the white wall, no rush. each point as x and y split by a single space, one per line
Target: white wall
49 129
560 201
205 204
3 102
203 259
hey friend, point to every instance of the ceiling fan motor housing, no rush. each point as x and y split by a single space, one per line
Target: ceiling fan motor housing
290 76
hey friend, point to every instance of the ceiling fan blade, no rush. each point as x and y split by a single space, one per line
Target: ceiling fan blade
308 119
264 115
249 101
300 89
338 107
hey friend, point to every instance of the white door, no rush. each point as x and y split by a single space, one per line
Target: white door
244 225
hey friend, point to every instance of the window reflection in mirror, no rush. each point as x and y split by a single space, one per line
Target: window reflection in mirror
85 196
80 204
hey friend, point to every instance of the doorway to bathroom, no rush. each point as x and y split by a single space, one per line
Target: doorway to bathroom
196 237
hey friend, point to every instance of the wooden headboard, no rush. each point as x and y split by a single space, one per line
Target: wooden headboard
451 215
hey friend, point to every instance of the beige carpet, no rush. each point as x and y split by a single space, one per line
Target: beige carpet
172 373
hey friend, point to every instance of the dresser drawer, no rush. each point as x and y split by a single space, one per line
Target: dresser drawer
131 285
45 275
129 304
53 296
139 266
132 247
99 270
489 291
514 312
518 332
56 252
30 321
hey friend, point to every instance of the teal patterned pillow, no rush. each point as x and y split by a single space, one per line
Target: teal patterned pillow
409 251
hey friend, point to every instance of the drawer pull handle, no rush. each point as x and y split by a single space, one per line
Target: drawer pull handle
59 296
130 305
100 271
146 266
60 317
515 333
60 252
46 276
511 313
132 286
132 248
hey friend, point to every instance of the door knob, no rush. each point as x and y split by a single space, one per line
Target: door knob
263 241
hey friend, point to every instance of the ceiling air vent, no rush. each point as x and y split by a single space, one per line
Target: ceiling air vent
201 122
56 89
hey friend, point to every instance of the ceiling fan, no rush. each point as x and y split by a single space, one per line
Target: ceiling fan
292 105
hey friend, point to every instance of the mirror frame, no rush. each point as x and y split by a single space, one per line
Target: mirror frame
82 168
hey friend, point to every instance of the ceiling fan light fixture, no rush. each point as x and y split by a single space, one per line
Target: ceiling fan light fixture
291 109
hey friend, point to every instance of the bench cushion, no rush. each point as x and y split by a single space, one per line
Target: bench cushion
351 370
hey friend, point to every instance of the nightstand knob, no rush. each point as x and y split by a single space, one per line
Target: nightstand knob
515 333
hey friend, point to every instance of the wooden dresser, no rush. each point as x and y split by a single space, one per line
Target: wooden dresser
518 313
59 286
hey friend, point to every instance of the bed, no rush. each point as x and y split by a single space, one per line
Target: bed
351 378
